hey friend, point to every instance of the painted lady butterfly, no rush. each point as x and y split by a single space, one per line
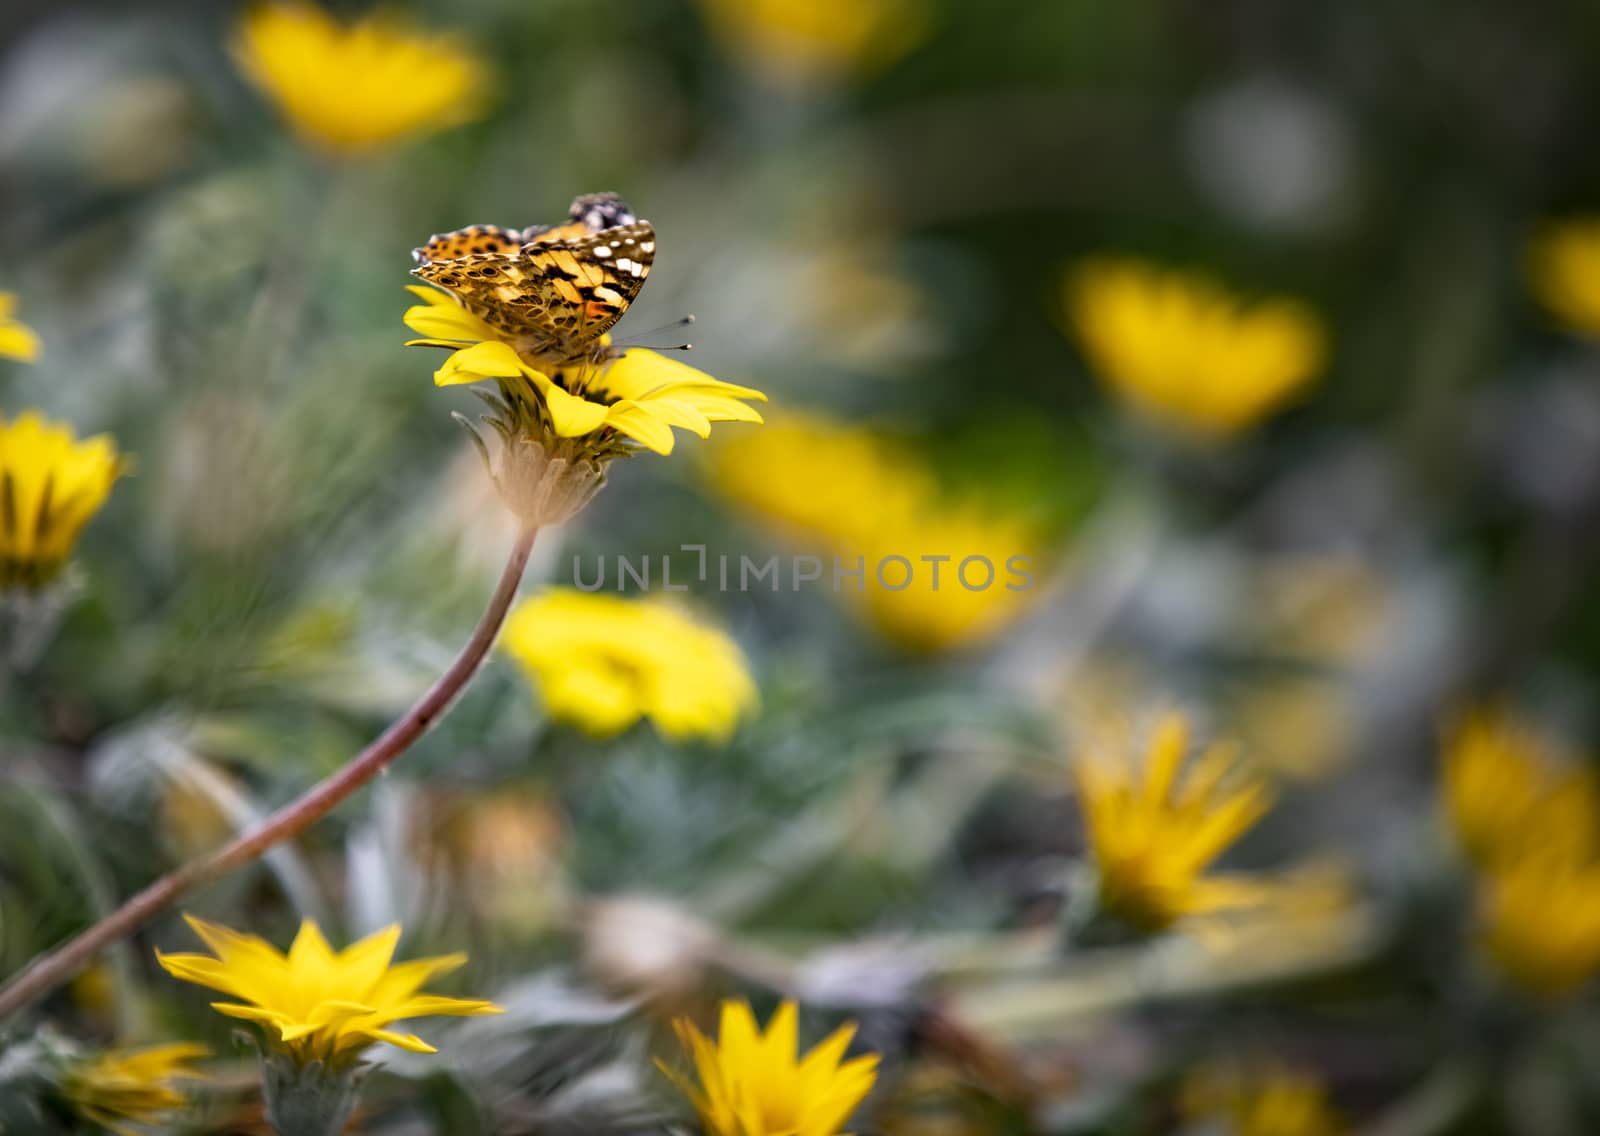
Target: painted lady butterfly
553 290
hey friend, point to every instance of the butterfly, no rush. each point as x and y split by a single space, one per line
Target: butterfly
553 290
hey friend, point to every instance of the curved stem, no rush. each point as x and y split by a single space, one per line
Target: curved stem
50 970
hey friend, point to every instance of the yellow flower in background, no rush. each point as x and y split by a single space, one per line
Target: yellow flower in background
798 40
1564 270
360 86
17 339
1539 921
1187 353
129 1090
876 504
776 473
1527 815
54 484
602 662
1511 792
318 1005
755 1083
1154 833
1272 1101
636 397
972 573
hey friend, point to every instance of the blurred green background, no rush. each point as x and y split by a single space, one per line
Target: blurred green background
878 233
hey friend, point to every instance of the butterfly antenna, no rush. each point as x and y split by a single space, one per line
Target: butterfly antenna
634 339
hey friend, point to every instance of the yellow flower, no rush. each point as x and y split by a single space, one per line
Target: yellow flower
360 86
322 1006
126 1090
603 662
1527 815
1275 1101
754 1083
1153 834
974 595
17 339
637 395
1187 353
797 40
775 473
1564 269
1539 919
1511 793
873 503
53 484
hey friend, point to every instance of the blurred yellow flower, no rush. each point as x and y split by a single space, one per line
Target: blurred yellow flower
959 590
17 339
1511 793
1153 834
755 1083
1539 919
636 396
1527 815
54 485
603 662
1273 1101
1187 353
129 1090
798 40
318 1005
356 87
774 473
937 572
1564 270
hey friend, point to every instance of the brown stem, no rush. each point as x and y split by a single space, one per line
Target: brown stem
50 970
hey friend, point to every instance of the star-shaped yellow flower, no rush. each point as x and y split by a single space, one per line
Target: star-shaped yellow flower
755 1084
1154 833
54 484
131 1090
637 395
318 1004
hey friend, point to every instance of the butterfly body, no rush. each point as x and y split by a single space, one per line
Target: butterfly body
552 290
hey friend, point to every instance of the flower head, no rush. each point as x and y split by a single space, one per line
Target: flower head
1154 833
1272 1101
798 40
582 415
1510 792
938 571
754 1083
1186 352
1539 922
1564 270
51 484
17 339
1528 818
603 662
355 87
126 1090
317 1004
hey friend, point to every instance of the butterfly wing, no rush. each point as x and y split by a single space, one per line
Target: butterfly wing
586 283
465 242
